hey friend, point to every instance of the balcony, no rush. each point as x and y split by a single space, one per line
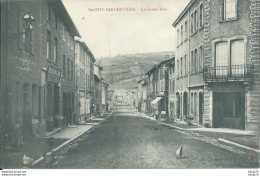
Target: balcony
228 73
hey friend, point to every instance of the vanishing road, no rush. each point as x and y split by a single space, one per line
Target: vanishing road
123 141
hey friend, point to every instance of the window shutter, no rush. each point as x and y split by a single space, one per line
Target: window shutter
19 30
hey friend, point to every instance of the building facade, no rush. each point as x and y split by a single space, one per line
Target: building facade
216 67
38 64
97 90
84 61
105 105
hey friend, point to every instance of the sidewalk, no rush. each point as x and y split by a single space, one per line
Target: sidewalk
39 147
248 140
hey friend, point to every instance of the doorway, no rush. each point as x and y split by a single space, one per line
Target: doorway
27 114
200 108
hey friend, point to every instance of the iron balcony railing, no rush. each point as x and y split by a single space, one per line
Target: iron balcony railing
227 72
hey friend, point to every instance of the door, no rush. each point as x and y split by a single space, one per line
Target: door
200 108
27 114
217 109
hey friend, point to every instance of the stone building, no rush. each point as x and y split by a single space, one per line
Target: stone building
97 90
37 79
217 64
84 79
157 88
104 97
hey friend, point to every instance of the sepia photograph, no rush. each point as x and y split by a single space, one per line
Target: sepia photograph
129 84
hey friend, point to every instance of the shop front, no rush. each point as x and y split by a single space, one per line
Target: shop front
52 94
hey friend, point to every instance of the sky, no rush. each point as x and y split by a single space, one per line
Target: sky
109 33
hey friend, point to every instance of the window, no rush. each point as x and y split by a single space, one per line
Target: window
181 67
230 9
64 33
201 58
72 70
27 40
195 61
191 63
185 64
186 30
86 81
195 21
191 103
237 57
195 103
201 14
64 66
56 20
55 52
191 24
177 37
177 68
181 33
68 67
221 58
49 12
48 47
35 102
173 85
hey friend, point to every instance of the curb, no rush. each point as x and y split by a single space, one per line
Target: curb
238 145
54 151
165 124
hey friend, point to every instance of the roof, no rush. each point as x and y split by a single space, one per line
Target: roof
84 45
95 76
105 84
99 66
182 13
151 70
66 19
167 60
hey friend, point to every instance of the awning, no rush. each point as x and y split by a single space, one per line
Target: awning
156 100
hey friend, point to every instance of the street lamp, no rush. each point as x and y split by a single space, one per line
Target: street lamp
28 21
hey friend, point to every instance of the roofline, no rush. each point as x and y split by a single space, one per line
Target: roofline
60 4
182 13
87 49
99 66
151 69
105 83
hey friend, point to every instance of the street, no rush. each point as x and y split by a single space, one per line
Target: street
123 141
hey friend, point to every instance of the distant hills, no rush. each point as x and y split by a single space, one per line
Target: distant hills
123 71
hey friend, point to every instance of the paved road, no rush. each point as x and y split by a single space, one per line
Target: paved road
126 142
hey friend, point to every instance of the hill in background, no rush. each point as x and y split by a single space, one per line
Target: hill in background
123 71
